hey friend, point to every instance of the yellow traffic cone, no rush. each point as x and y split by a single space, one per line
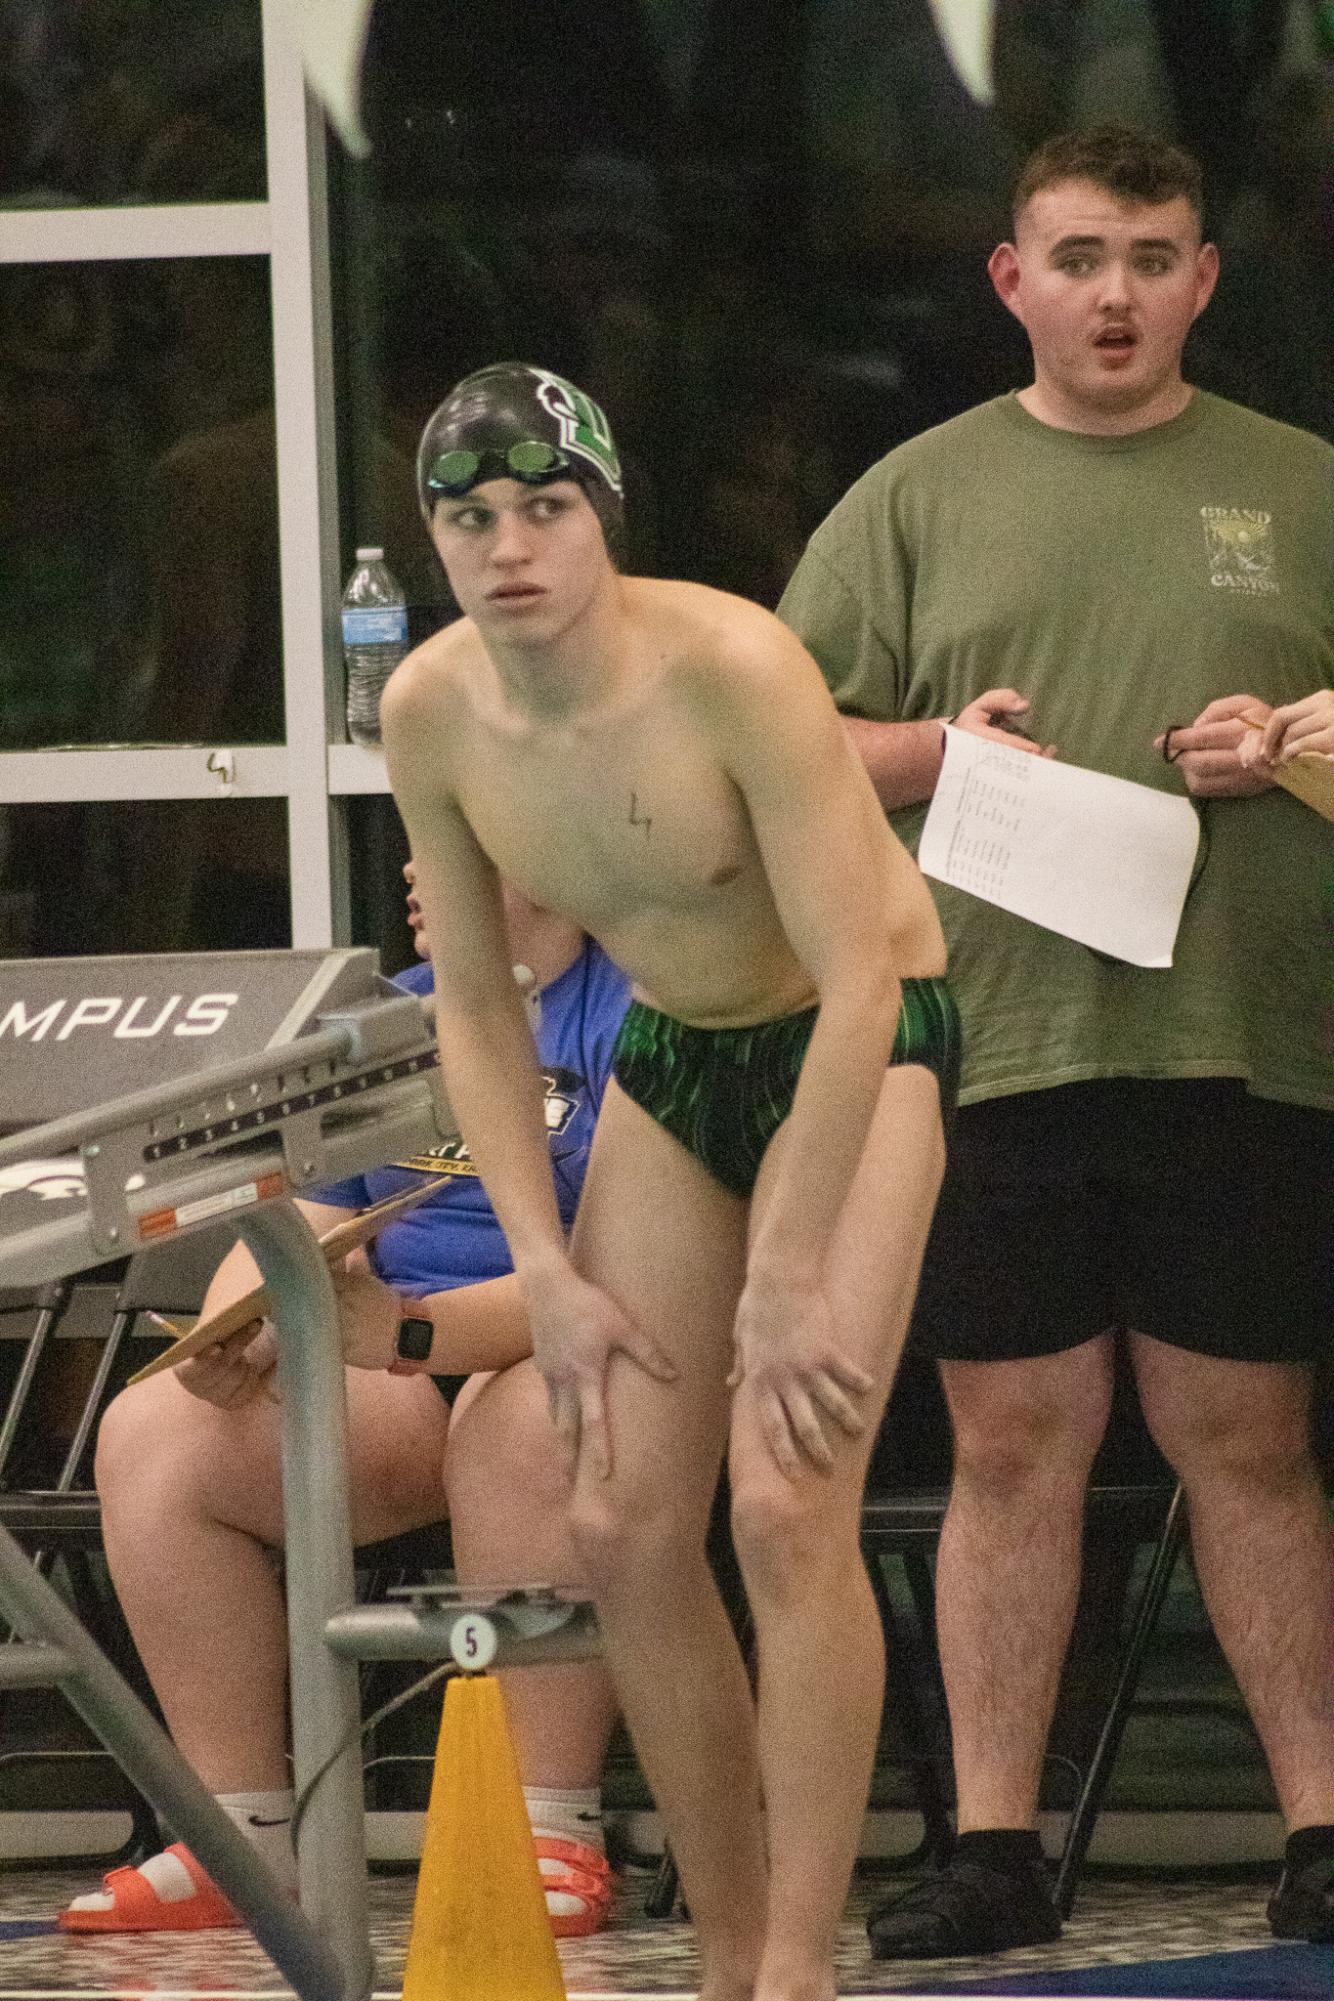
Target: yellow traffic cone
480 1930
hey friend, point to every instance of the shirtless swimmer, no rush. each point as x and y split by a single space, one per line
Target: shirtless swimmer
662 763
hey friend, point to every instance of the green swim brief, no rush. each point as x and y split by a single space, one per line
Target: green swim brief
724 1092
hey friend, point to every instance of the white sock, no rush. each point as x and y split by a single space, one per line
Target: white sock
265 1820
567 1813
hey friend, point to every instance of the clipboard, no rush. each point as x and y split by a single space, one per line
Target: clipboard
255 1304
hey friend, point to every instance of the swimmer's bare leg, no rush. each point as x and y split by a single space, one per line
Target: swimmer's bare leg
821 1649
665 1240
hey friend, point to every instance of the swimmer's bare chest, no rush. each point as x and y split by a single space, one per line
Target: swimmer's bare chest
634 828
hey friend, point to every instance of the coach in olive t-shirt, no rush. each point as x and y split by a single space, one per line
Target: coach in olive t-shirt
1134 567
1120 583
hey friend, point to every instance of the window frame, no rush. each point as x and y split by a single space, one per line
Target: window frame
315 770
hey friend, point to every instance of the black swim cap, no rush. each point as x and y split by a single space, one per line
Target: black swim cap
490 417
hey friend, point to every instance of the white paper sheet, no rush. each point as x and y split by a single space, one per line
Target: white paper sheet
1095 858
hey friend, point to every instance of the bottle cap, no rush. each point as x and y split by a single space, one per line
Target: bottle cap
370 555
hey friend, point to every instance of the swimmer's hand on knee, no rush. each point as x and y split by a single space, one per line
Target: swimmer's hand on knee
804 1388
576 1330
234 1372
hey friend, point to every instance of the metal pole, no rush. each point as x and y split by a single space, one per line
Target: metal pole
325 1691
1079 1833
145 1752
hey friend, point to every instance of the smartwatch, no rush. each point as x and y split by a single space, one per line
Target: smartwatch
416 1337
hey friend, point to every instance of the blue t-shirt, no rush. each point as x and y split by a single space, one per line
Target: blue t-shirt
453 1238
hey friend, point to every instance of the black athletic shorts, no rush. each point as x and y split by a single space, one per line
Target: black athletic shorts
1187 1210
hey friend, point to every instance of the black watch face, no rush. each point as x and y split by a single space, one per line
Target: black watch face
414 1340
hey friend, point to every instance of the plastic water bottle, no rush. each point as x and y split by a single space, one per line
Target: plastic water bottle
375 638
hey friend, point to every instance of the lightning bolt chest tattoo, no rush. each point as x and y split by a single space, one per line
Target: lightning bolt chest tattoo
637 818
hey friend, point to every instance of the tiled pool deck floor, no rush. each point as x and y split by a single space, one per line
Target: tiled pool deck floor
1120 1920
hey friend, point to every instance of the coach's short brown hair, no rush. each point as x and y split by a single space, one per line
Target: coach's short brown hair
1130 165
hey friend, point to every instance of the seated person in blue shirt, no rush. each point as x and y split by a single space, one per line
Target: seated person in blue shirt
188 1468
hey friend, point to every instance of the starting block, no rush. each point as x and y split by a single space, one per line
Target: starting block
139 1100
531 1625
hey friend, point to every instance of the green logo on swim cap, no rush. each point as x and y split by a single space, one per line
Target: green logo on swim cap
583 427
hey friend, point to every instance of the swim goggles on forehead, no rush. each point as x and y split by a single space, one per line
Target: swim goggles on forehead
531 460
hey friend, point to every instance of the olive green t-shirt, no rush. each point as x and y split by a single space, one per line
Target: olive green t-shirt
1121 583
